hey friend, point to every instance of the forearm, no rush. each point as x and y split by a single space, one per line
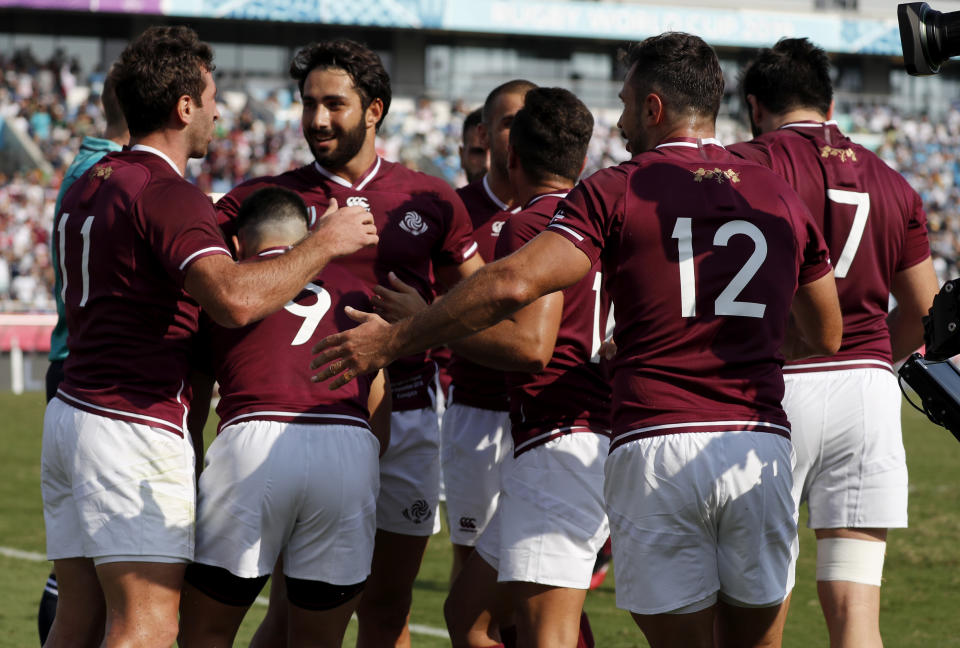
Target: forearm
501 346
906 332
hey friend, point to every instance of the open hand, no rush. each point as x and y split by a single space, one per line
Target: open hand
394 305
346 230
361 350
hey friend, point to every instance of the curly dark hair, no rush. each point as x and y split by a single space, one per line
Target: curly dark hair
550 134
795 73
155 70
361 64
681 68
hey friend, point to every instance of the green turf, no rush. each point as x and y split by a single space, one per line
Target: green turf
921 573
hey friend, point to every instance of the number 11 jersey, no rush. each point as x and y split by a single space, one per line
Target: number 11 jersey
703 252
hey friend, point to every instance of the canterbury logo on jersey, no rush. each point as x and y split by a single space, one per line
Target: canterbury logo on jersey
468 524
412 223
496 227
358 201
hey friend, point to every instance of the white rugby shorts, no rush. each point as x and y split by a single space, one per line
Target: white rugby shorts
550 521
410 475
306 490
701 514
474 442
114 490
851 466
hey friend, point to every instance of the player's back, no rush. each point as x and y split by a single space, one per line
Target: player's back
702 253
264 368
872 221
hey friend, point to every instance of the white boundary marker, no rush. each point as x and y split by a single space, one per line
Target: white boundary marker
32 556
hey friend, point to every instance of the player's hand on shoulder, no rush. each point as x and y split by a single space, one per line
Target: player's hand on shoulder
361 350
400 302
344 230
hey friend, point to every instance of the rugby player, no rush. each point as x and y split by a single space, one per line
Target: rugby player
423 225
294 468
706 256
542 542
139 252
844 409
115 137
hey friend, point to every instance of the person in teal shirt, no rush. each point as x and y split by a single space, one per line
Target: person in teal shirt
92 149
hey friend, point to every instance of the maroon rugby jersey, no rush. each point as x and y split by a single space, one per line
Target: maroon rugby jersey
420 220
570 395
127 233
872 220
702 253
473 384
264 368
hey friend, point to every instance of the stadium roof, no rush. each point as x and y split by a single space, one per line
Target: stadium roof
842 33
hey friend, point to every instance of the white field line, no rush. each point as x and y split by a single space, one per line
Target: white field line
32 556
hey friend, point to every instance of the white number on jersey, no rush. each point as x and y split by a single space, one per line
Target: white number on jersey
726 303
862 202
599 335
84 258
311 314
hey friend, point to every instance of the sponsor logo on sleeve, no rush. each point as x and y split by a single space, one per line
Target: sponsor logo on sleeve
412 223
358 201
418 511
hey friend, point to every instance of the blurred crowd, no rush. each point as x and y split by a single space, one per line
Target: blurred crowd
259 134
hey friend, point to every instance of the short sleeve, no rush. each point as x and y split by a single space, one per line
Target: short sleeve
916 245
588 211
180 226
457 244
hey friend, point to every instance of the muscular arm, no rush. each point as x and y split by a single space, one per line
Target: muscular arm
237 294
817 325
914 290
549 262
522 342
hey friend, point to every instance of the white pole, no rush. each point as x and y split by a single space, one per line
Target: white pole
16 366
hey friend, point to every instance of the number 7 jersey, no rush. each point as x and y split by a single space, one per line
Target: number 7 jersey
703 252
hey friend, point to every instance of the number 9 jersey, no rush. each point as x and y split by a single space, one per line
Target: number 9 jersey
703 252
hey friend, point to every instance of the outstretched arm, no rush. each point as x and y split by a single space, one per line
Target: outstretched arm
549 262
236 294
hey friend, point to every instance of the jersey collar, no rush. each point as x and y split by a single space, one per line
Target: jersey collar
689 142
810 124
496 201
150 149
562 194
343 182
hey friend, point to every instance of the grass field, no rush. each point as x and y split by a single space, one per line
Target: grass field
921 593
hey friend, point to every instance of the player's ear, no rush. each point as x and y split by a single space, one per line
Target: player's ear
184 109
374 112
484 133
653 108
237 245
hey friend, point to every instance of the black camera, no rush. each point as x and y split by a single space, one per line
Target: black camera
932 376
928 37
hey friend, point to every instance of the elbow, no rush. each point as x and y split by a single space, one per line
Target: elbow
535 356
828 342
232 313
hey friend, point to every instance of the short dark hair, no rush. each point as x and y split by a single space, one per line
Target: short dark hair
112 111
516 86
794 73
550 134
268 206
471 121
679 67
155 70
361 64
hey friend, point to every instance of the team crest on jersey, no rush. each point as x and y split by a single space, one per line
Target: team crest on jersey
101 171
718 175
496 227
358 201
412 223
843 154
417 512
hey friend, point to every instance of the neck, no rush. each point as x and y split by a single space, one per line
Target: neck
798 115
695 127
170 144
527 191
353 170
502 188
118 136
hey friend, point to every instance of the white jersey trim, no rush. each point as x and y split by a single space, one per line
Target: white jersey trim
829 122
253 415
555 195
203 251
150 149
838 363
142 417
567 230
671 426
470 251
697 144
496 201
343 181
